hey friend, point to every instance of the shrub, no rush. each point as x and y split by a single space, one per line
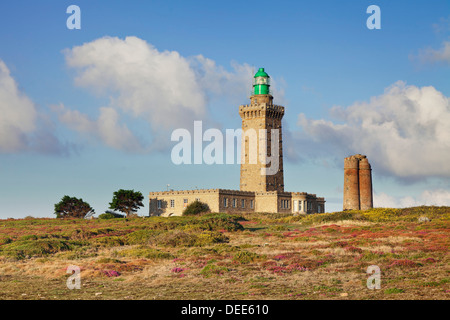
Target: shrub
106 260
210 237
333 217
111 273
278 228
175 238
220 222
112 241
393 290
82 234
5 240
145 252
404 263
110 215
195 208
212 269
27 248
382 214
141 236
245 257
178 238
224 248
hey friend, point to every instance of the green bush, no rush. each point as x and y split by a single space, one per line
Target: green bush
110 215
195 208
145 252
220 221
28 248
393 290
333 217
84 234
5 240
245 257
212 269
141 236
175 238
112 241
178 238
278 228
106 260
210 237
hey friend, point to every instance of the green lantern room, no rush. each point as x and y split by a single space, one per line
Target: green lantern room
261 84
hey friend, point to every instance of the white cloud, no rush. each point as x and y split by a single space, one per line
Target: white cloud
162 87
216 80
404 132
106 127
22 127
437 197
17 114
442 26
430 55
145 82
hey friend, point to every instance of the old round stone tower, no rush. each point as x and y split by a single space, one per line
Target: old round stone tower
357 183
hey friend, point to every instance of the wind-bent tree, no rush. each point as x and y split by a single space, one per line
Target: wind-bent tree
71 207
126 201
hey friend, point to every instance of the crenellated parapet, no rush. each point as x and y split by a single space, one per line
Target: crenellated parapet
262 110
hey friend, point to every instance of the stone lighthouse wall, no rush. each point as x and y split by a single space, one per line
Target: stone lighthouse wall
261 114
357 183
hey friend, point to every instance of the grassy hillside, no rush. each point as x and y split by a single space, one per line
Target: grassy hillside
220 256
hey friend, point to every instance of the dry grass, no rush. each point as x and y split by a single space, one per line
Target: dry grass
270 258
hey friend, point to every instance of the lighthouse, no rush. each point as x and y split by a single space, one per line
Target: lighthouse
261 182
260 116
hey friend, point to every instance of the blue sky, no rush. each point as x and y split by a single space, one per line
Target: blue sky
87 112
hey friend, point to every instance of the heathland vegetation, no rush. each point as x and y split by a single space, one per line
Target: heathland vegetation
222 256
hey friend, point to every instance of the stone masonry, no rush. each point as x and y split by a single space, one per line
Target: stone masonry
357 183
261 114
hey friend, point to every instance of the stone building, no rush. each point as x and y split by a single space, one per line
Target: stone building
262 175
357 183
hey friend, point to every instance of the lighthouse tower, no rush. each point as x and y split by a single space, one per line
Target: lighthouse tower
260 116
